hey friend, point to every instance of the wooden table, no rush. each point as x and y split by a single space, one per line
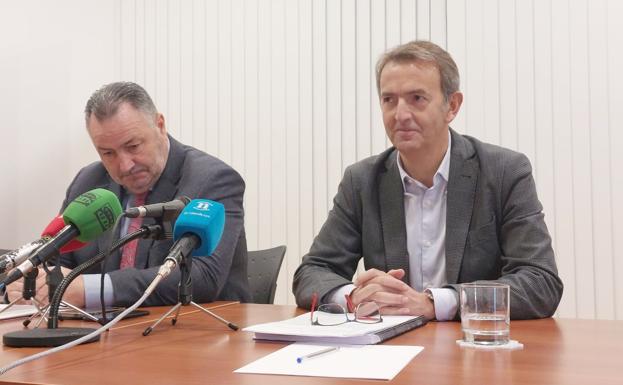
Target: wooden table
200 350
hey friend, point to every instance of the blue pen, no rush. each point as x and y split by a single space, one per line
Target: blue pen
316 354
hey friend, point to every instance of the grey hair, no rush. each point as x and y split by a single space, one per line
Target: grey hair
105 102
426 51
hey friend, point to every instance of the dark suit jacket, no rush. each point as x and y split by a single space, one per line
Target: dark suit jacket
189 172
495 228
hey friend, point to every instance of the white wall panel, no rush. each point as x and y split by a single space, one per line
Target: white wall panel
278 145
581 151
378 39
562 151
490 104
424 20
508 73
411 20
615 120
365 89
285 91
291 157
319 112
456 45
348 70
545 172
333 98
474 81
306 128
600 171
525 77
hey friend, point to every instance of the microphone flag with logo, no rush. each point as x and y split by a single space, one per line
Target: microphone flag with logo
205 219
92 213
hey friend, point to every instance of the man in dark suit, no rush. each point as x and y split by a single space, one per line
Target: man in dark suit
142 164
435 210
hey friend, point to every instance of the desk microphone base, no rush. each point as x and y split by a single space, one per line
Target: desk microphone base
35 338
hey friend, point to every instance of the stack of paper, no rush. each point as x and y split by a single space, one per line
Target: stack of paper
353 333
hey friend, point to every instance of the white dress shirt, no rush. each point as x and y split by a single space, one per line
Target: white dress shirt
425 219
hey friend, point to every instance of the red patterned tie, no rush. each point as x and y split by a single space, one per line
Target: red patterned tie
128 255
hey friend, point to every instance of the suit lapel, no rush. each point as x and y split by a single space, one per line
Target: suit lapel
391 203
460 202
164 190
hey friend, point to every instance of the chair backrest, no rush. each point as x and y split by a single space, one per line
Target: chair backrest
262 271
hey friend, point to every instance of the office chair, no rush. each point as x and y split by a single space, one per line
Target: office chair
262 271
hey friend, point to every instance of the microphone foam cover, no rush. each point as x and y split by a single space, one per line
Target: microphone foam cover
92 213
54 227
205 219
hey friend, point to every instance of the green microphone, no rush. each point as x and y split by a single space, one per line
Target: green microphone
92 213
86 218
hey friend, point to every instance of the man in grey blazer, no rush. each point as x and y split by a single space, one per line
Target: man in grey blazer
139 158
435 210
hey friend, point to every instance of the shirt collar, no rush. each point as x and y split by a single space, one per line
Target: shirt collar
442 172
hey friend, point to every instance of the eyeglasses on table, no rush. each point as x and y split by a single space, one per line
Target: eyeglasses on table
331 314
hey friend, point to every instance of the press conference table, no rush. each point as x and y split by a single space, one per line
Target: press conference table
200 350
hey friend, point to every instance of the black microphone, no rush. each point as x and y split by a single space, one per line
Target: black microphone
169 209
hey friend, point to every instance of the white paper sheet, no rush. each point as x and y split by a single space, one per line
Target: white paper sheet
17 311
379 362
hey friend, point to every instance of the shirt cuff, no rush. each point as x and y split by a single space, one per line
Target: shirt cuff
92 291
338 295
446 303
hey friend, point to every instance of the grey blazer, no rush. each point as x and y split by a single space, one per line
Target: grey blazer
495 228
190 172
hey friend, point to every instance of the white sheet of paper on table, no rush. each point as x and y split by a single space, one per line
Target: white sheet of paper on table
379 362
16 311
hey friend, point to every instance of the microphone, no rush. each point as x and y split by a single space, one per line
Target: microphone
13 258
198 230
17 256
54 227
86 218
157 210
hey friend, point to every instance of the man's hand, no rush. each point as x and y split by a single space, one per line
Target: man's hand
392 295
74 293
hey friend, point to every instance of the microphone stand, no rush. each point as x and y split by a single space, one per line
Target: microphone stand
53 279
184 296
53 335
29 290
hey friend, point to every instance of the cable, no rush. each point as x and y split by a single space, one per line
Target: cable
152 286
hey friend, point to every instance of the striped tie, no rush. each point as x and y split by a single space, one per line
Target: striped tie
128 255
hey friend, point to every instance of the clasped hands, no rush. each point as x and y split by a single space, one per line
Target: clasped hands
393 296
